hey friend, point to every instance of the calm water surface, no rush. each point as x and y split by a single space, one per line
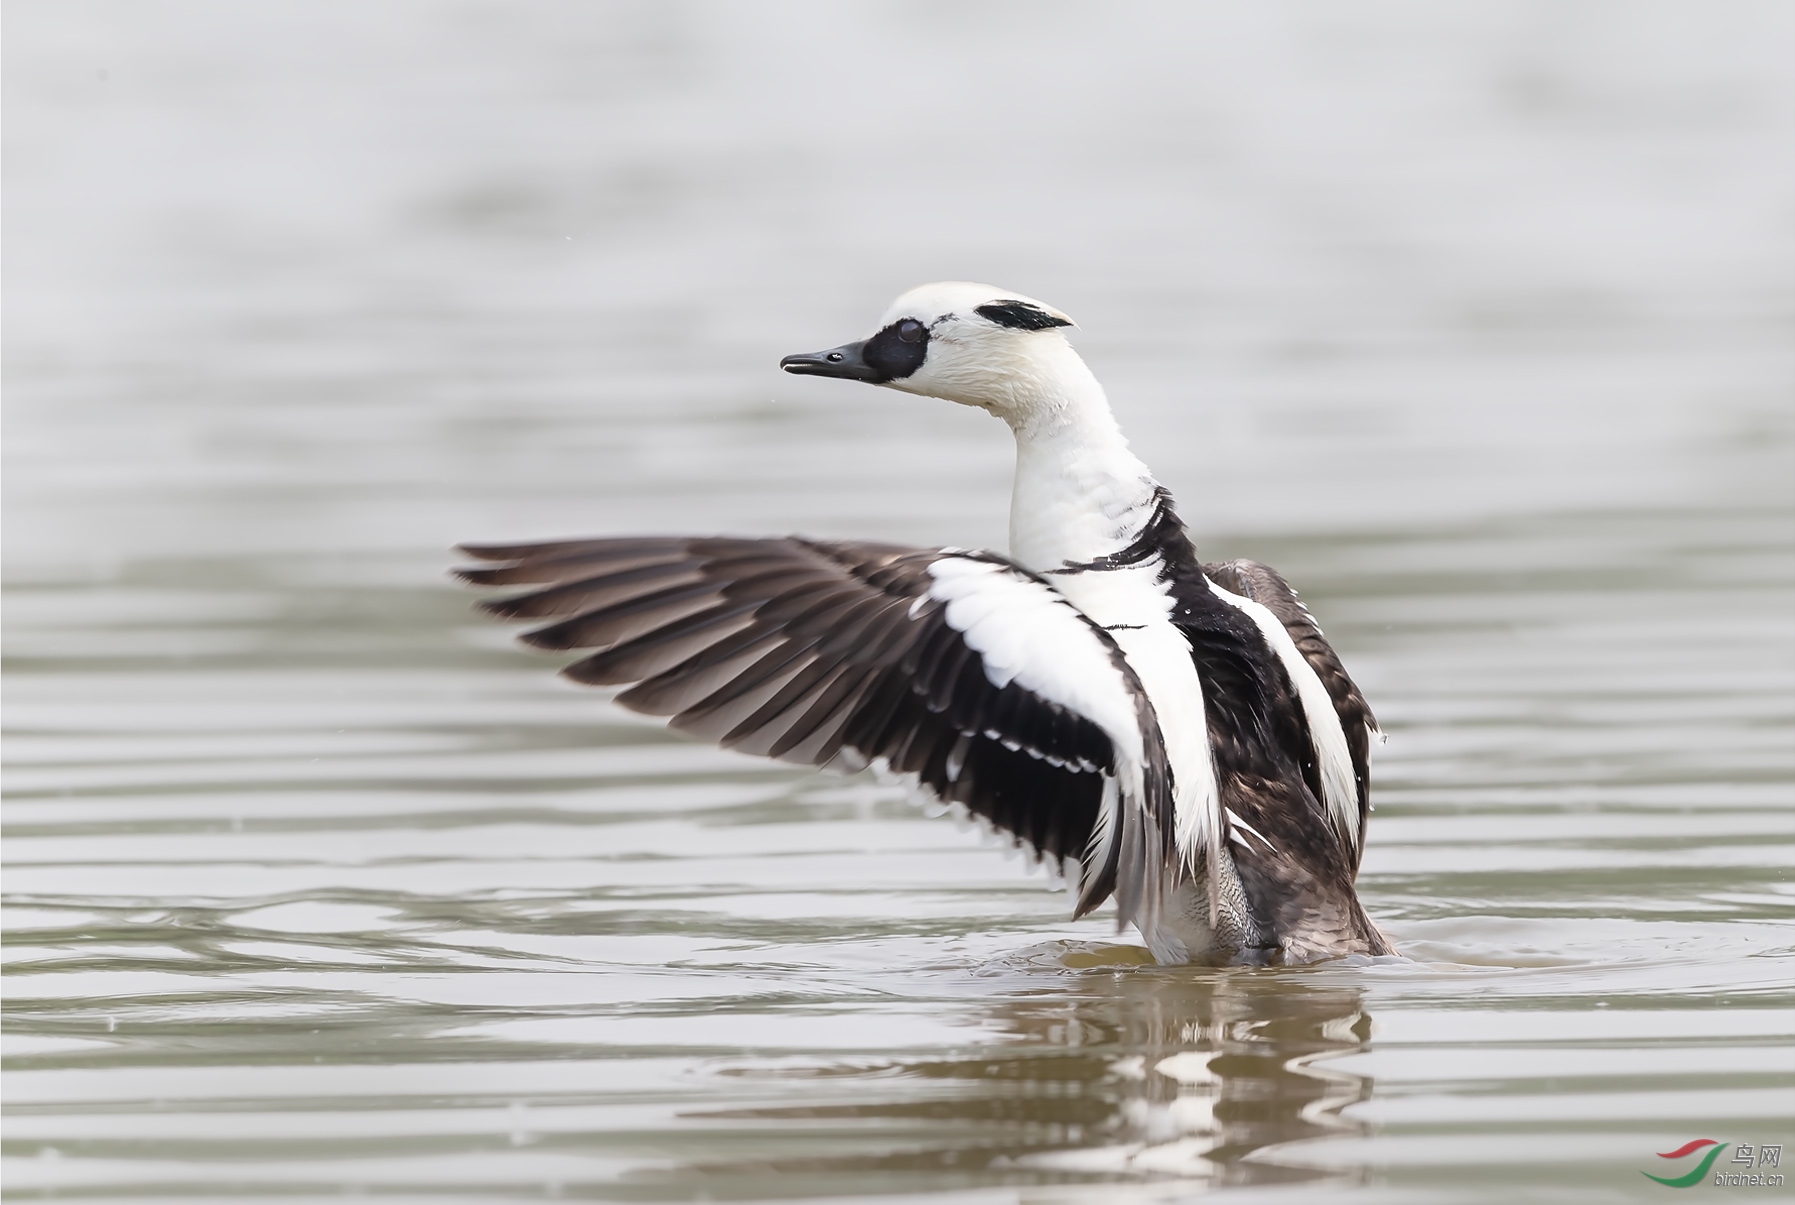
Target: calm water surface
1475 327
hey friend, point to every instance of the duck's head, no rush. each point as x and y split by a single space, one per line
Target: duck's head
969 343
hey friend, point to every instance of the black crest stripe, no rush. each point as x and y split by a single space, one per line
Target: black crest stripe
1020 316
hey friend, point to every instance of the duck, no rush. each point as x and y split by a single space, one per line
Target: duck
1174 735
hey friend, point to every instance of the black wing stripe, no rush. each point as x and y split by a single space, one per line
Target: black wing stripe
873 727
1003 720
966 681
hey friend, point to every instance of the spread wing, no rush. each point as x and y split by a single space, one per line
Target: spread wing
1264 587
959 669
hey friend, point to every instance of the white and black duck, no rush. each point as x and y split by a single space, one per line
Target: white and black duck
1175 734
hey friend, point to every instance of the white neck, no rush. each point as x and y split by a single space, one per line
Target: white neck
1079 492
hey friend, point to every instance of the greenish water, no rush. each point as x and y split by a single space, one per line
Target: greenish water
316 886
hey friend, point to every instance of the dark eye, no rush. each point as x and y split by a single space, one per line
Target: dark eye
911 331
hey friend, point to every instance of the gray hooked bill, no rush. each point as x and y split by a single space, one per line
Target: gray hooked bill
847 361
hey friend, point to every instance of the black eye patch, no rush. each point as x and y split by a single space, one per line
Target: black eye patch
1020 316
898 350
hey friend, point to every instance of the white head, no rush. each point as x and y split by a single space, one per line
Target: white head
969 343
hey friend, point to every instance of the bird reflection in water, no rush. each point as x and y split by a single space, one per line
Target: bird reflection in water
1116 1071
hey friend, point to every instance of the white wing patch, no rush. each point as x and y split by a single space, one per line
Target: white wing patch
1026 633
1337 781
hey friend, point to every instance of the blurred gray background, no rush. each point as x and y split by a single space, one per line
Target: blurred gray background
341 276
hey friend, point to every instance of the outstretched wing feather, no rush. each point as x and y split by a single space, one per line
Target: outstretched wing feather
813 651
